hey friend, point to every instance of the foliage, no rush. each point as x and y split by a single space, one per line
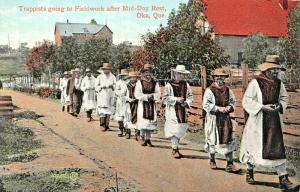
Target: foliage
257 47
182 41
40 57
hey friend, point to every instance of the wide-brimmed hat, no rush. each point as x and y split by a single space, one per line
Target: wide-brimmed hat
66 73
124 72
76 70
272 62
181 69
133 74
147 66
106 66
88 70
220 72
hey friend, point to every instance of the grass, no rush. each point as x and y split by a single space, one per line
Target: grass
11 66
18 144
54 181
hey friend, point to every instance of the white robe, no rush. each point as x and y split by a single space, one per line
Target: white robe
105 96
121 89
65 99
210 127
127 118
252 140
89 96
172 127
141 122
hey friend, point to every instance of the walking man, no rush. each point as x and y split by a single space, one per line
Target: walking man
177 99
121 90
63 84
77 95
147 91
89 94
71 92
262 142
130 121
218 103
105 87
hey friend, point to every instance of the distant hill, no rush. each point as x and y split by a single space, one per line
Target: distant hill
12 65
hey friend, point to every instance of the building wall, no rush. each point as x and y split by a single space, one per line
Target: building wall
57 38
106 34
234 44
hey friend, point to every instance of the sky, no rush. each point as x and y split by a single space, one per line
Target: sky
19 25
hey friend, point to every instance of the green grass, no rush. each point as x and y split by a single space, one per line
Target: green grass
54 181
12 66
18 144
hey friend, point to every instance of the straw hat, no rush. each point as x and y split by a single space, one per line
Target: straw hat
124 72
66 73
76 70
272 62
147 66
181 69
220 72
133 74
88 70
106 66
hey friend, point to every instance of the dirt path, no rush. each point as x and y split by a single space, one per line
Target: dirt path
152 168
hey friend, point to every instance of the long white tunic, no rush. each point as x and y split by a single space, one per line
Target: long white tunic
172 127
65 99
252 140
105 96
89 96
210 127
141 122
121 89
78 82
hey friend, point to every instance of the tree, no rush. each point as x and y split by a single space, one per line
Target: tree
40 57
183 41
257 47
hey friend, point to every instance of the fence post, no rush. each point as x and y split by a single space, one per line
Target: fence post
245 73
203 74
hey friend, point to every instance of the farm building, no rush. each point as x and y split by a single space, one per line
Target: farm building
234 20
81 31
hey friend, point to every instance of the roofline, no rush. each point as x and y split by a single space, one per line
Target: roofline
272 36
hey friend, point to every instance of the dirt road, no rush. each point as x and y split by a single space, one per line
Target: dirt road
152 169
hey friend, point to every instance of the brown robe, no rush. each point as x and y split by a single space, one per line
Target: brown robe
273 146
148 87
133 105
180 90
224 124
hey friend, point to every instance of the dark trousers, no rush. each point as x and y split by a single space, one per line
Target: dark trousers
77 101
89 113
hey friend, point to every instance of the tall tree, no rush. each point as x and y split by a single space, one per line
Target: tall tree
183 41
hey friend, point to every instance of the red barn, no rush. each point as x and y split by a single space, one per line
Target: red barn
234 20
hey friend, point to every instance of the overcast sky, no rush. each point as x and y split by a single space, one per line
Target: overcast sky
23 26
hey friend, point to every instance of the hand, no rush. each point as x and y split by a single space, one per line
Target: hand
222 109
227 109
268 108
150 96
180 99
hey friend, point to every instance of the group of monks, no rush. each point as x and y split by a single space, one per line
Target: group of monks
132 99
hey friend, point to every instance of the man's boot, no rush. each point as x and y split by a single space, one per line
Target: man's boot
68 108
128 131
148 141
176 154
102 123
121 127
63 109
286 184
137 134
212 161
250 176
107 119
230 168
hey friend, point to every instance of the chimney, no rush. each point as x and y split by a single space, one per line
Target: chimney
284 4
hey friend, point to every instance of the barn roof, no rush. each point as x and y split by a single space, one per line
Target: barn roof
68 29
246 17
